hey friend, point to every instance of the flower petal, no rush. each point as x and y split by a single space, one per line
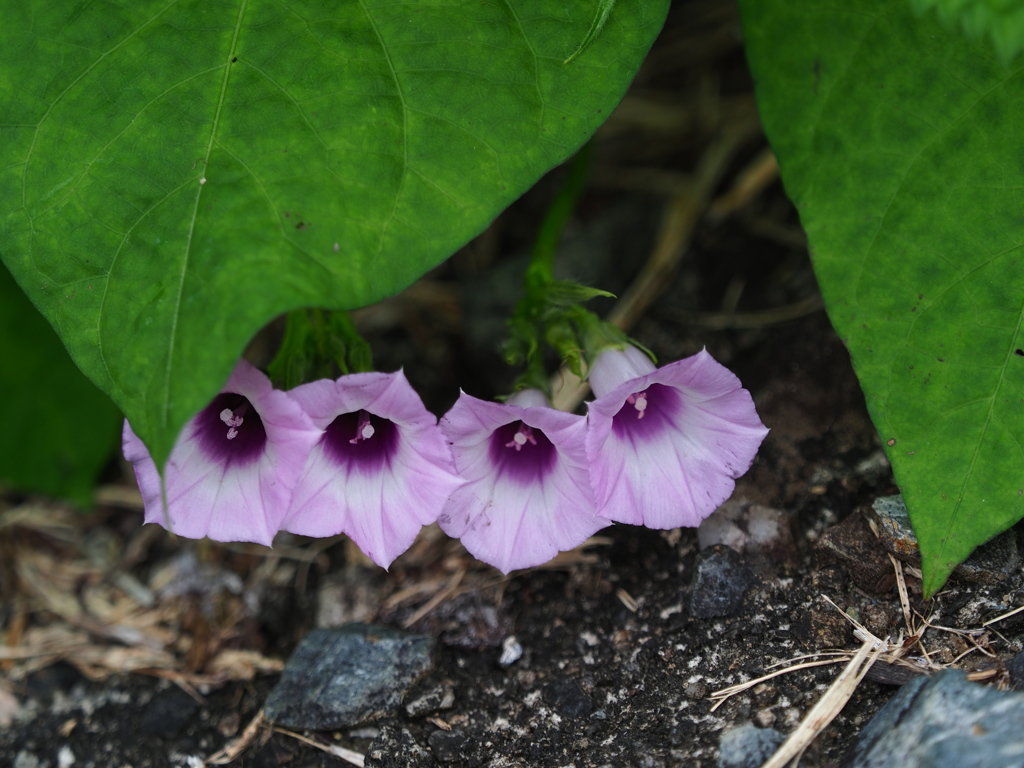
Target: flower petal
666 446
219 488
378 489
518 510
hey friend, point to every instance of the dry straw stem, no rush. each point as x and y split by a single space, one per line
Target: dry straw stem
718 321
1006 615
750 183
872 649
828 706
238 745
348 755
471 576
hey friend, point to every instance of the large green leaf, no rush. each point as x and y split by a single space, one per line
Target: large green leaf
901 144
175 174
58 431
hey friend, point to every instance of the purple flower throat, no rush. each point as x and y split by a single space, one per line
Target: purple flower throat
230 431
522 453
361 439
647 413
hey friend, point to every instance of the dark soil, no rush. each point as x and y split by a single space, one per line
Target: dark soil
615 671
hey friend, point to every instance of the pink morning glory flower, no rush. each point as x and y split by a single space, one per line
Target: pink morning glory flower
527 494
667 444
232 469
381 469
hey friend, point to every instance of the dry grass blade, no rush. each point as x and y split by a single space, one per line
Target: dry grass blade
732 690
752 181
1006 615
627 600
901 586
348 755
238 745
828 706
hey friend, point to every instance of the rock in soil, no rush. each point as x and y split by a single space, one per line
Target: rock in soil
721 582
852 545
748 746
342 677
991 563
943 722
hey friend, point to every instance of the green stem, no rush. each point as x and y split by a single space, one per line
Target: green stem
542 258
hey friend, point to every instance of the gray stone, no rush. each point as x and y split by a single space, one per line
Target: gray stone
25 759
943 722
748 746
992 562
720 583
342 677
894 528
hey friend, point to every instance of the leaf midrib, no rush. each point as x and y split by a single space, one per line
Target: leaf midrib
195 213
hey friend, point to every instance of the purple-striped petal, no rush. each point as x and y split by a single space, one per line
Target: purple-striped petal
232 469
667 444
381 469
527 494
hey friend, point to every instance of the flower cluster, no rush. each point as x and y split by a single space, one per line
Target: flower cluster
516 482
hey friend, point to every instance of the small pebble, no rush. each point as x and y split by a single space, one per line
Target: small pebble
721 582
568 699
511 651
448 746
65 757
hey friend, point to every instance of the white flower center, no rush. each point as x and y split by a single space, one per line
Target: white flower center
364 430
522 436
228 417
639 401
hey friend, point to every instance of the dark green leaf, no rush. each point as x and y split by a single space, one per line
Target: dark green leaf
900 144
174 175
59 431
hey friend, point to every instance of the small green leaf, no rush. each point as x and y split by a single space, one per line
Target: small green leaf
59 431
174 175
899 142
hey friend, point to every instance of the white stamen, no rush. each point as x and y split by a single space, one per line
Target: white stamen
641 404
520 438
229 418
364 430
